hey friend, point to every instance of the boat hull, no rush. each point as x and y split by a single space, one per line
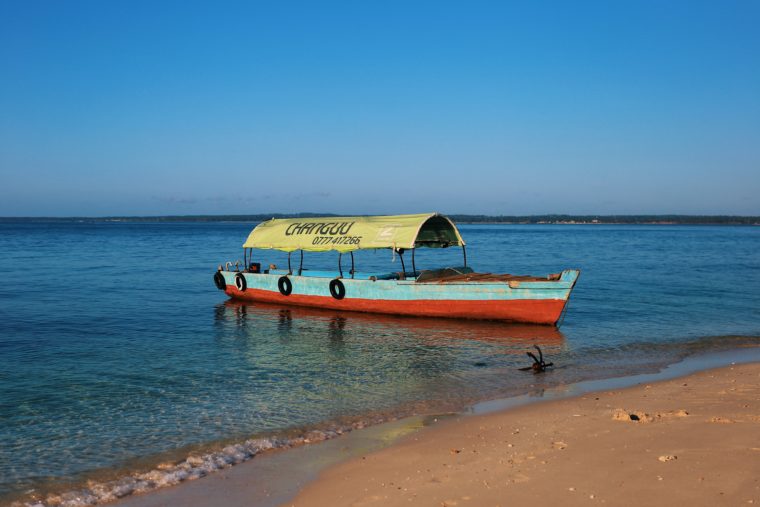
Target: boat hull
535 302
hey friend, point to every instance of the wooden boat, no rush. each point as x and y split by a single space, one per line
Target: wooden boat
452 292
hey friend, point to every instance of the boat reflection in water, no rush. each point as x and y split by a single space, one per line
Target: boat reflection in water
338 326
295 366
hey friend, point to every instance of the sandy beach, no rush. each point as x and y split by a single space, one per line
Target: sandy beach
689 441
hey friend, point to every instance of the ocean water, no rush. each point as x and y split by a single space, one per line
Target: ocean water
118 355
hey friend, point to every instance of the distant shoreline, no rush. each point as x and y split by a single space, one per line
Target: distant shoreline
460 219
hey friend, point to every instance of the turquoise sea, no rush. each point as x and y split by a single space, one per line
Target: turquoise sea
118 354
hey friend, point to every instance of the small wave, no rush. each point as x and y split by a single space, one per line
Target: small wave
200 464
191 468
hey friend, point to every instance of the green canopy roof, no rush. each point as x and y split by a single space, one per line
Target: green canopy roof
346 234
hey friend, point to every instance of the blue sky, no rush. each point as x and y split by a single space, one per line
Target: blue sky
141 108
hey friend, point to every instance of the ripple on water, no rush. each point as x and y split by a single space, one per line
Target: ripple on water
102 365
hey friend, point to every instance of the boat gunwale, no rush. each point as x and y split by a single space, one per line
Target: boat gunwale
512 284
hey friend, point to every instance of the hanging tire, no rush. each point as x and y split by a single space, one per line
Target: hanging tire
337 289
285 286
240 282
219 281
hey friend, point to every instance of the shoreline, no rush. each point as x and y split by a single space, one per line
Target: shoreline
260 482
325 449
689 440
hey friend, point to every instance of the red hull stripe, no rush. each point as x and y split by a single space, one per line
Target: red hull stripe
534 311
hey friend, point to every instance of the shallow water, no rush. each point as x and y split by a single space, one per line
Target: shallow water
116 350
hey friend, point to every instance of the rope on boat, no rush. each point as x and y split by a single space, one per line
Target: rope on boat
564 312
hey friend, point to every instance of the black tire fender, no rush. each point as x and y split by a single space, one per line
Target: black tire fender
219 281
285 285
240 282
337 289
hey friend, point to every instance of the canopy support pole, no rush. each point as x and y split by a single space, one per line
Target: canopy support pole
414 267
403 268
300 267
464 253
352 264
340 268
290 270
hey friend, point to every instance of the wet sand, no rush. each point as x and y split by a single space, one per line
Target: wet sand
694 440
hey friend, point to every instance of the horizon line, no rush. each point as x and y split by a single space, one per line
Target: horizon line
305 214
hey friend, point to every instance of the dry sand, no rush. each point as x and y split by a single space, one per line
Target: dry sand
689 441
694 440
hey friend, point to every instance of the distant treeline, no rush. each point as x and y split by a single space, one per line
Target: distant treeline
169 218
462 219
611 219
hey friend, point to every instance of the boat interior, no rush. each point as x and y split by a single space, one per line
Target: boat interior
459 275
444 275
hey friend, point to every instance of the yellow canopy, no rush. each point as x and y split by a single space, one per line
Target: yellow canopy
345 234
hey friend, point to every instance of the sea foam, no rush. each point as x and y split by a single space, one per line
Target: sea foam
191 468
